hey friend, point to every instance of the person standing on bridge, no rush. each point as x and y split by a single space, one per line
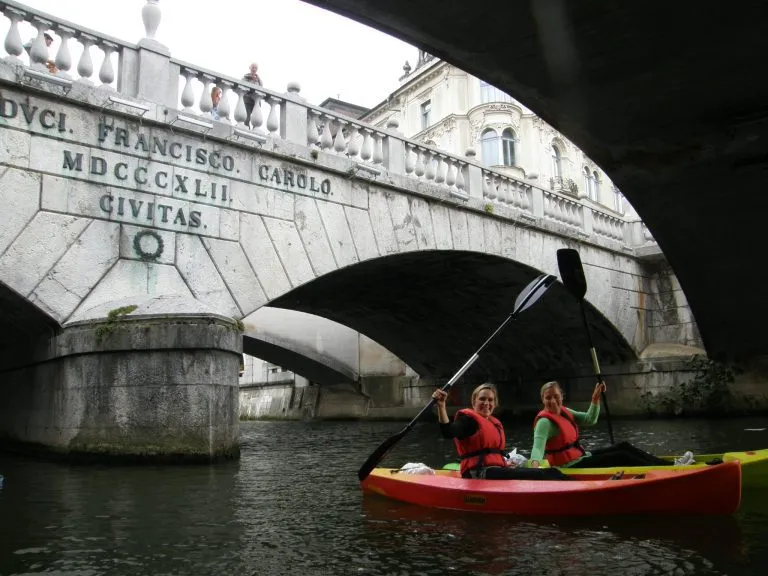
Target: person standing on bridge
252 77
556 437
215 99
480 441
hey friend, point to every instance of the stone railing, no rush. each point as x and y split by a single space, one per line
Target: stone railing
57 67
144 77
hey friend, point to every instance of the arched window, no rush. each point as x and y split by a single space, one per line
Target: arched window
508 147
588 182
490 93
595 186
489 142
618 201
557 162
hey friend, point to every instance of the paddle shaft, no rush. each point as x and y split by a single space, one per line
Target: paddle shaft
596 367
467 365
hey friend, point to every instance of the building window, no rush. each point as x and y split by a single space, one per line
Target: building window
618 201
557 162
490 93
595 186
426 111
508 147
489 143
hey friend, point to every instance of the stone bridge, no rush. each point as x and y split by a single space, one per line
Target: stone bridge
140 237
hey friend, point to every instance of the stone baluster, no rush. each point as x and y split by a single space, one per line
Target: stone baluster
460 181
13 44
313 136
326 138
85 65
188 93
440 171
493 186
429 163
273 120
353 149
339 143
38 55
257 115
486 188
206 104
410 158
63 56
224 107
107 72
378 148
240 115
450 175
367 152
419 168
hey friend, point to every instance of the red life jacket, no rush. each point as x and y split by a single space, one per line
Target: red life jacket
485 447
565 447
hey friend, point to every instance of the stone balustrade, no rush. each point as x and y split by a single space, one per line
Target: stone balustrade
150 79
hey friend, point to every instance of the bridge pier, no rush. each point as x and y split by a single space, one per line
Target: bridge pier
145 387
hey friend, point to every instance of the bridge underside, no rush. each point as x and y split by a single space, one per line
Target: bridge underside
434 309
22 325
303 361
668 97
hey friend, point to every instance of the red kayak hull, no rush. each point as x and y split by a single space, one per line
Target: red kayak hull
711 490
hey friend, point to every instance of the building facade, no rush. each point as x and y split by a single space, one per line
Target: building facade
451 110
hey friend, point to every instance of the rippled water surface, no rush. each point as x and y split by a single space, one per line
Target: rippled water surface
291 505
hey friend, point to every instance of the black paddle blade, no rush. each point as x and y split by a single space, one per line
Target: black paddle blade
531 293
571 272
379 454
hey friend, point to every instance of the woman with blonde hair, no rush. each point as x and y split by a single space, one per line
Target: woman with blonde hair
556 436
480 440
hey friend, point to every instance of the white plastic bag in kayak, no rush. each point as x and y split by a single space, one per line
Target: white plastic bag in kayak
515 459
416 468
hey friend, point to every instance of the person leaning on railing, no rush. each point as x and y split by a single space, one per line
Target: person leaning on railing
48 63
249 99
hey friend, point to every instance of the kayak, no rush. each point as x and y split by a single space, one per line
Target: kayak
754 467
706 490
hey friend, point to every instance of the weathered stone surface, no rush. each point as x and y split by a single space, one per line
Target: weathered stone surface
313 235
290 250
128 249
381 220
130 278
422 224
336 225
79 270
441 225
44 240
362 233
402 222
166 389
263 257
459 229
242 283
201 276
20 195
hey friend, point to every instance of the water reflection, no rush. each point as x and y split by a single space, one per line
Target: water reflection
505 545
292 504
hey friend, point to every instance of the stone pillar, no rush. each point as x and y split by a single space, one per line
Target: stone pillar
156 388
293 116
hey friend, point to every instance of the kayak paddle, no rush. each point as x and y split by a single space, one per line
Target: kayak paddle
525 300
572 275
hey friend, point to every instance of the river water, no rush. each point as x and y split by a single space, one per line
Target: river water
291 505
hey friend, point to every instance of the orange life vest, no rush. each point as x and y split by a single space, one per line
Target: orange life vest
565 447
485 447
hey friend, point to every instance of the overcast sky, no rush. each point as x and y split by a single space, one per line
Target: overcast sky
292 41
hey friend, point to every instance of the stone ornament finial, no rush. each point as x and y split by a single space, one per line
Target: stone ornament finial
150 14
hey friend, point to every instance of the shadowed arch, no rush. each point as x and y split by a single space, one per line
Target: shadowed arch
433 310
664 98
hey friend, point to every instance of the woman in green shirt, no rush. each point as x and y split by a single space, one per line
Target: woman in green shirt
556 436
